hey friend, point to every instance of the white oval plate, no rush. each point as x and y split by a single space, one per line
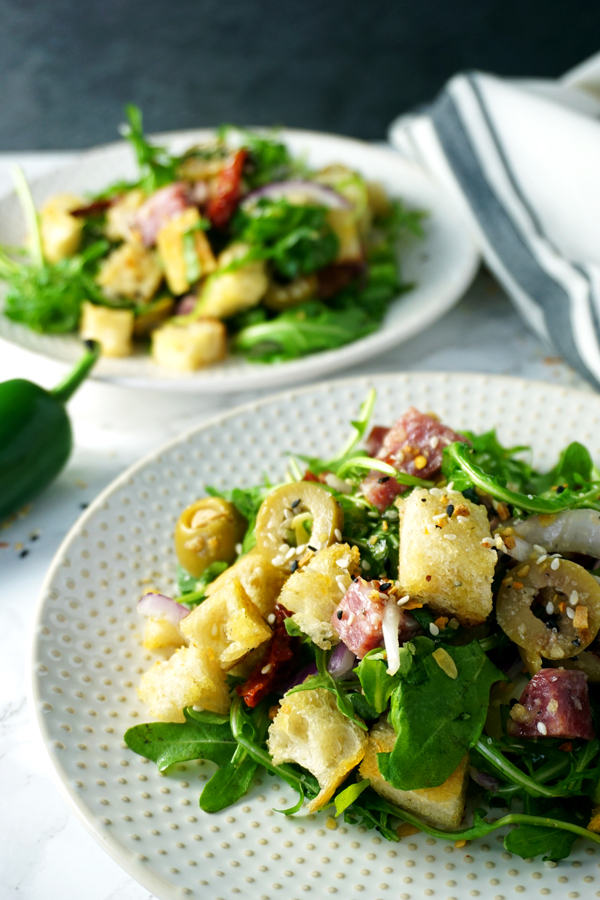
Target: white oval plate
441 266
87 659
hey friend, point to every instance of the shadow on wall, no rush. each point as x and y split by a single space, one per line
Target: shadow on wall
350 66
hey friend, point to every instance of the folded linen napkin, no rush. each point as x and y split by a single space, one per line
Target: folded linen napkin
522 160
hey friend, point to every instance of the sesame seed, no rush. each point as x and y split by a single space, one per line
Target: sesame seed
570 612
338 534
278 561
574 598
366 565
295 504
266 669
403 600
383 596
462 519
271 618
539 549
383 479
435 492
450 537
542 728
385 585
555 564
450 486
343 563
340 613
373 514
433 629
440 516
238 549
550 608
300 550
283 549
314 549
291 552
288 514
541 559
434 441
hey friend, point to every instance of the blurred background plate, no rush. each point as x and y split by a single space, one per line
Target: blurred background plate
442 265
87 659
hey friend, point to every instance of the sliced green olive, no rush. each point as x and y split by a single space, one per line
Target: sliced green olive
586 662
283 518
567 587
207 532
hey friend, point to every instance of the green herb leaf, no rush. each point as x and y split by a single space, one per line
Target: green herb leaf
193 590
328 682
437 718
377 685
229 783
349 795
158 168
166 743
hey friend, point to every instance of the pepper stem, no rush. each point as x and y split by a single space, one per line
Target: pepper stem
65 390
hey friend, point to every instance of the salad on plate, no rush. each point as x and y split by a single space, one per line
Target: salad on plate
232 246
406 634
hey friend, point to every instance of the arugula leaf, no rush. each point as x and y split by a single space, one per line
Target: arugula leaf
495 459
574 468
377 685
193 590
529 841
371 811
166 743
446 635
437 718
268 159
229 783
362 707
349 795
328 682
158 168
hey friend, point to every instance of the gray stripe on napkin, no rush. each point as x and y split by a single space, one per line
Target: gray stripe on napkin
502 233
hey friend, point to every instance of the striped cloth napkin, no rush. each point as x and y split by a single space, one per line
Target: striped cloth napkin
522 160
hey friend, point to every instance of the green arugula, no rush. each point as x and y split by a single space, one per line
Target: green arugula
329 683
268 159
157 167
167 743
437 718
192 589
372 673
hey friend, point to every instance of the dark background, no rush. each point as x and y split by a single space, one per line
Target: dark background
68 66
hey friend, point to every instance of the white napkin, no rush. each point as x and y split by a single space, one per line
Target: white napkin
522 160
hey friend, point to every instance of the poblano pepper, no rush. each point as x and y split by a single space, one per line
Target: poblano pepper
35 433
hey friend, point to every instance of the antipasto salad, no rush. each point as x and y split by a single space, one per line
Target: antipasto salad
391 631
233 244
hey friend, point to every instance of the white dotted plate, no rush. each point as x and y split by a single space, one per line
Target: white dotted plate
87 659
441 266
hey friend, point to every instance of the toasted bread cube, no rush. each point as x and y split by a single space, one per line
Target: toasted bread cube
442 807
231 292
228 623
442 560
188 678
160 633
261 580
130 271
120 217
180 271
61 232
310 730
313 593
595 820
343 223
186 348
112 328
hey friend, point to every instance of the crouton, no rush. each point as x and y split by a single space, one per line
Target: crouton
161 633
112 328
188 678
187 347
120 217
595 820
343 224
228 624
61 232
130 271
224 294
442 560
261 580
310 730
184 251
313 593
442 807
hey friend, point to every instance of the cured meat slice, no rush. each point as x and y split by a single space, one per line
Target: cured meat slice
556 704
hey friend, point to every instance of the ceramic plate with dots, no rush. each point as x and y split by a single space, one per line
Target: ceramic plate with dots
87 659
441 266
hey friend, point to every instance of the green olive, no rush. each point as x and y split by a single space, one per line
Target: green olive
207 532
283 518
568 586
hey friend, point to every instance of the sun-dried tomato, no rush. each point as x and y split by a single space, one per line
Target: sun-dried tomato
222 206
275 667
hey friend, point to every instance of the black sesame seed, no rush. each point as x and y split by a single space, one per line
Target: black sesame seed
340 613
34 537
294 565
560 489
385 586
354 577
314 549
576 642
384 479
295 504
24 553
423 499
83 505
449 510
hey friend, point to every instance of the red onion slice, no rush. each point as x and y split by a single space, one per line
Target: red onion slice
157 606
390 625
299 192
484 780
341 661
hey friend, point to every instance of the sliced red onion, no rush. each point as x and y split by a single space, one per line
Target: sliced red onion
300 192
341 661
310 669
157 606
484 780
186 305
390 625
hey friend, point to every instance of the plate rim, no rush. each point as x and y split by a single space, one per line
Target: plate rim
136 868
315 365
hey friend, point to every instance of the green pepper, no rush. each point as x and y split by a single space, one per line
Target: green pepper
35 434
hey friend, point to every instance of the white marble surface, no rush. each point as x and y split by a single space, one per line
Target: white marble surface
47 854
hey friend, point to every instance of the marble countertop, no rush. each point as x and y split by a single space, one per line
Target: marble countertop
47 852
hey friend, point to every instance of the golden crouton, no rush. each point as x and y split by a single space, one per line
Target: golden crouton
161 633
313 593
120 217
61 232
442 807
186 348
130 271
224 294
310 730
595 820
188 678
112 328
261 580
442 560
227 624
184 264
343 224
